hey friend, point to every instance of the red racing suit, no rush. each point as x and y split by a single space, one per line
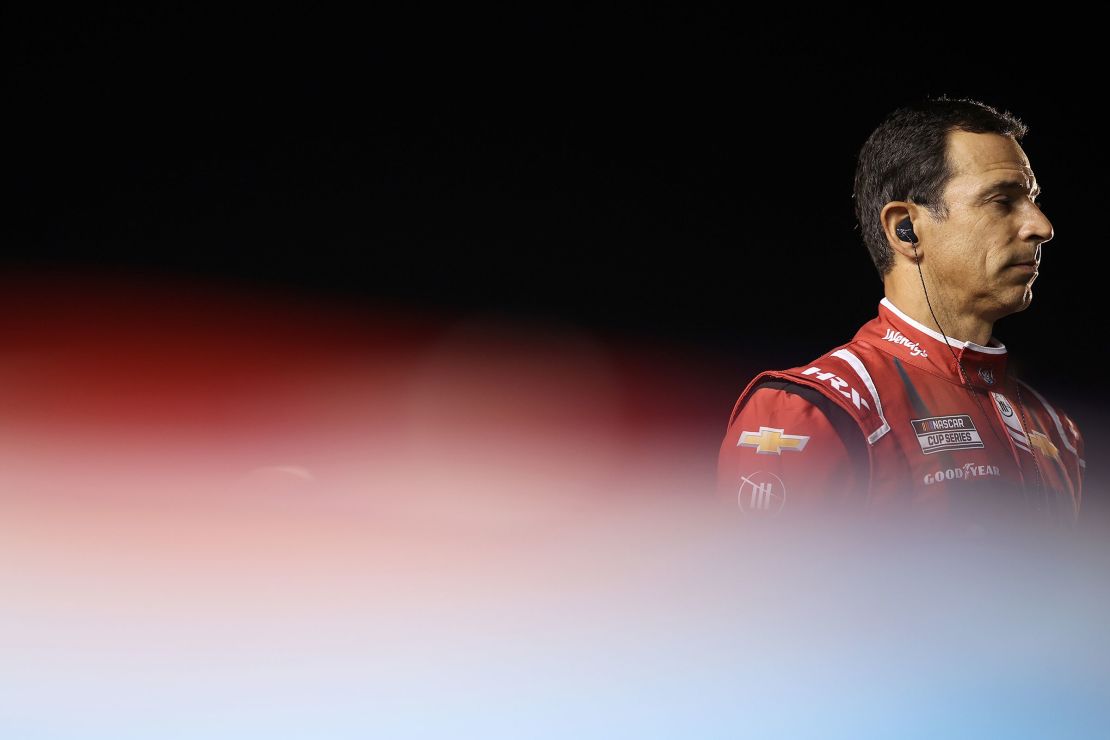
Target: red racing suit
887 424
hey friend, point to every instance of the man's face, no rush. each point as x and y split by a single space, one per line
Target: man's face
987 252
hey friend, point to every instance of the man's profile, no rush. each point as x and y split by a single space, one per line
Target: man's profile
918 413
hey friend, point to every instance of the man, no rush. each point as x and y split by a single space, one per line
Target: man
917 414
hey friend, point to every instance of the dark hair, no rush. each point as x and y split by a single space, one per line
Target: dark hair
905 158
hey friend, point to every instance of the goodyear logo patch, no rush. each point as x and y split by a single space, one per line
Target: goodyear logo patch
943 433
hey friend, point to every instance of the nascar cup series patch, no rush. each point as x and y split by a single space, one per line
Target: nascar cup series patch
943 433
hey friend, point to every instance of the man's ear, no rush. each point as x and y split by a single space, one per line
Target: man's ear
893 214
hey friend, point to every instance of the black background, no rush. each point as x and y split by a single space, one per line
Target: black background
665 174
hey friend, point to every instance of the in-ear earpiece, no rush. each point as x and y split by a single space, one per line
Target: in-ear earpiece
904 229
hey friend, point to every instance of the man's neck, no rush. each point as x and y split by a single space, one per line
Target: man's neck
961 325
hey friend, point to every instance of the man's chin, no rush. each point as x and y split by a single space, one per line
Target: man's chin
1013 304
1026 299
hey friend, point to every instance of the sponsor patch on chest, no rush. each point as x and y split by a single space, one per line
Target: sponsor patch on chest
943 433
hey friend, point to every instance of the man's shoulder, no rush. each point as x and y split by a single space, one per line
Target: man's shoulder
840 382
1057 417
1030 392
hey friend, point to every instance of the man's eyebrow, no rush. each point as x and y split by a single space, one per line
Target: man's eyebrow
1008 185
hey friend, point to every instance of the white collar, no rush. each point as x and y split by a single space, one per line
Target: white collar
997 348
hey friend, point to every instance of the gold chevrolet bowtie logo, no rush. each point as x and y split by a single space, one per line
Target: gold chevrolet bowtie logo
1044 444
771 441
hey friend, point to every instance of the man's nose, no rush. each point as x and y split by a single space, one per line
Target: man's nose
1037 227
